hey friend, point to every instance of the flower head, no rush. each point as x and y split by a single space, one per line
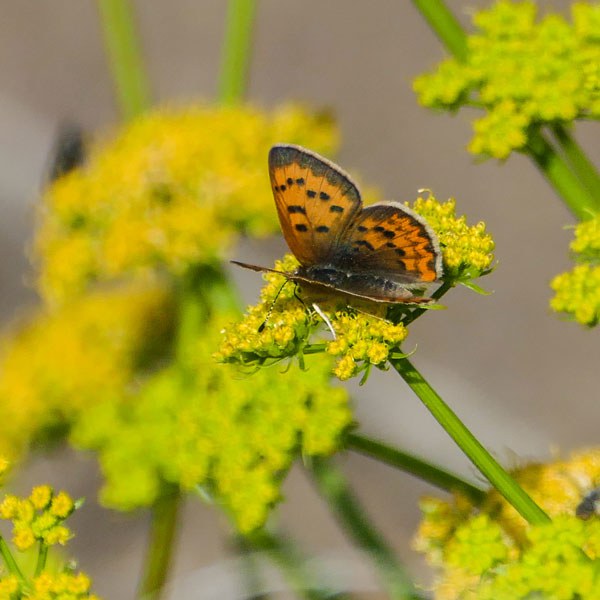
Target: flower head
578 290
168 193
207 426
490 552
522 72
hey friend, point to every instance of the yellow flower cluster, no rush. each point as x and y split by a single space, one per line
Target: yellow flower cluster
65 361
48 586
522 72
363 340
578 290
489 552
169 192
204 425
467 249
38 518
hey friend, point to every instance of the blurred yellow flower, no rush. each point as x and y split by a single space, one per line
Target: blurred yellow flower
169 192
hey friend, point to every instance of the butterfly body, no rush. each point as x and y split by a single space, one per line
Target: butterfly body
380 253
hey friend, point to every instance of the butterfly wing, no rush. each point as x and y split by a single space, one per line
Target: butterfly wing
390 240
316 202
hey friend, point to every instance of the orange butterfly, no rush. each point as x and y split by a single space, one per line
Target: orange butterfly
379 253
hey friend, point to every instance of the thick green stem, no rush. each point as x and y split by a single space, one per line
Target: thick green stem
579 201
334 488
11 563
236 50
445 26
124 57
433 474
163 530
583 168
467 442
292 565
41 559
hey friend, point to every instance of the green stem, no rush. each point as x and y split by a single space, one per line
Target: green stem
41 559
236 50
334 488
467 442
163 530
292 565
124 57
445 25
583 168
580 202
11 563
433 474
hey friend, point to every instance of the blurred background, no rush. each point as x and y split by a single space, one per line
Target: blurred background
524 381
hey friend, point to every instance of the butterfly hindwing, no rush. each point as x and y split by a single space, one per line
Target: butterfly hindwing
316 201
391 239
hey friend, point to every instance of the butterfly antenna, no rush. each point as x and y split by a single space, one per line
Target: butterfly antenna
264 323
325 319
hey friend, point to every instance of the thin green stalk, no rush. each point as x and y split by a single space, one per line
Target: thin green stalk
236 50
577 198
163 530
445 26
433 474
11 563
334 488
124 57
292 565
41 559
467 442
579 162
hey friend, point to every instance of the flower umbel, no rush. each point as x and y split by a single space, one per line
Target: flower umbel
578 290
490 552
524 73
170 192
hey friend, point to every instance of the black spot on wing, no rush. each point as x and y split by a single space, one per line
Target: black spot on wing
335 208
296 209
300 181
322 229
324 196
311 193
365 244
301 227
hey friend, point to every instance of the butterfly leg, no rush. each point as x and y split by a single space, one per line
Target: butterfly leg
325 319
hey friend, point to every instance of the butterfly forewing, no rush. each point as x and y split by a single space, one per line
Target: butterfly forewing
390 239
316 202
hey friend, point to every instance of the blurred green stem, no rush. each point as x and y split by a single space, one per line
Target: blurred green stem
334 488
236 52
467 442
41 559
423 469
577 198
124 56
291 563
11 563
583 168
445 26
163 530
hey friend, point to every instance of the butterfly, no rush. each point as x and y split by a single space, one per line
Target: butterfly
380 253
